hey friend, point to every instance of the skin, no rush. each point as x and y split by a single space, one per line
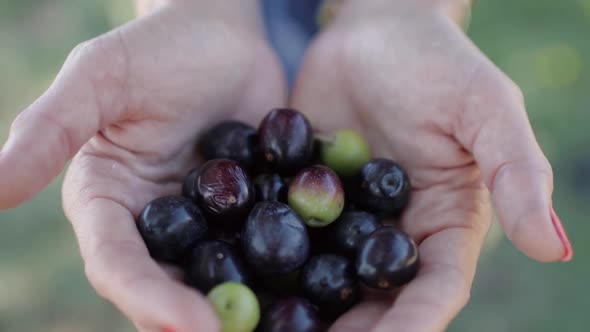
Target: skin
127 106
162 78
410 80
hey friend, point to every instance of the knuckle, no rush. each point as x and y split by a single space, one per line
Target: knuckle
98 53
103 62
18 120
508 90
83 51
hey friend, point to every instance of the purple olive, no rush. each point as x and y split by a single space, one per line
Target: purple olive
285 140
214 262
387 259
383 187
170 226
224 191
292 314
330 282
274 239
230 140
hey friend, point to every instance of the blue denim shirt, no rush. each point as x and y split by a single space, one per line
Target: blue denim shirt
290 26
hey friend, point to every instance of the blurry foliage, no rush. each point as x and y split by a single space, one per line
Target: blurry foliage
542 44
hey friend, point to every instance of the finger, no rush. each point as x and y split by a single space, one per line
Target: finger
119 267
315 94
441 288
494 127
87 95
361 318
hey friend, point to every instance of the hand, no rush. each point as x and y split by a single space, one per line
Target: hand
129 106
412 82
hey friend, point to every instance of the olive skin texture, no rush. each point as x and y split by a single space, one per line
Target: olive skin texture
350 230
316 194
230 140
214 262
170 226
274 239
292 314
285 140
387 259
224 192
330 282
270 187
383 187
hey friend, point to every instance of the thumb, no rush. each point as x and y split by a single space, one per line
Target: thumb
87 95
494 127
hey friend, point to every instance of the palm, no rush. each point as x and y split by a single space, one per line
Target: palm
163 97
410 85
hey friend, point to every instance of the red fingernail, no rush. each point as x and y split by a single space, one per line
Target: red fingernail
569 251
169 329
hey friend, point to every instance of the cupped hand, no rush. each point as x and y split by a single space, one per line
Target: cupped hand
128 106
409 79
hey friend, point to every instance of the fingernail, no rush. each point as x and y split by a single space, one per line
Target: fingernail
168 329
569 251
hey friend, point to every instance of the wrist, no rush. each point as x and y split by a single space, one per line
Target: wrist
459 11
245 14
243 8
143 7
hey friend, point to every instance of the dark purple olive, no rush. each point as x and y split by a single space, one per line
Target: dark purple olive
387 259
274 239
224 192
214 262
383 187
230 140
188 186
316 194
351 229
291 314
170 226
330 282
270 187
285 140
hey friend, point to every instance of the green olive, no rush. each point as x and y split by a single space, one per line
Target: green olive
346 152
236 306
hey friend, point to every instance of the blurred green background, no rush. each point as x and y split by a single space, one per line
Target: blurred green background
544 45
